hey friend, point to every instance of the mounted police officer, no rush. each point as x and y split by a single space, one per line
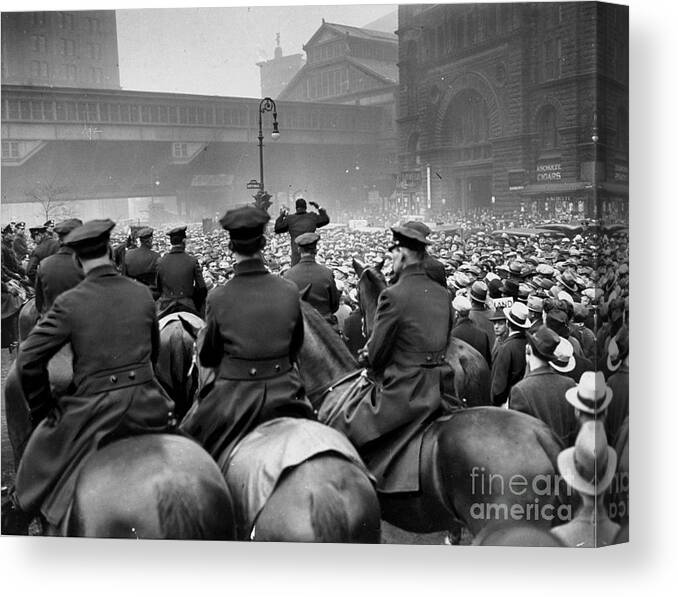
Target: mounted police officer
323 294
115 391
19 244
141 263
180 282
45 246
300 222
406 352
254 331
59 272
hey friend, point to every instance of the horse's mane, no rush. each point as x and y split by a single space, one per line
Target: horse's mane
315 326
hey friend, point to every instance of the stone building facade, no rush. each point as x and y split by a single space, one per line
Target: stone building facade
513 106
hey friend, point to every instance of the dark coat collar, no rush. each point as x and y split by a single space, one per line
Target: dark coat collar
541 371
307 259
64 250
177 249
103 270
301 210
250 266
412 270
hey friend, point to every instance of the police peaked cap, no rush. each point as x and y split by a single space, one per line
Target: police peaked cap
90 237
178 232
63 228
245 223
307 239
145 232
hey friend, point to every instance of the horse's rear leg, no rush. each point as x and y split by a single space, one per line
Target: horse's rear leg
326 499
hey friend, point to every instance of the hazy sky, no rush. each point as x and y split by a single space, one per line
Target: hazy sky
215 50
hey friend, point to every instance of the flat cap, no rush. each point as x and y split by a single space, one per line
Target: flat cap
244 223
307 239
63 228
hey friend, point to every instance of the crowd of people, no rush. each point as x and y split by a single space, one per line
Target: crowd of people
548 313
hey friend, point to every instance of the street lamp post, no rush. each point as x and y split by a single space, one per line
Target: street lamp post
266 105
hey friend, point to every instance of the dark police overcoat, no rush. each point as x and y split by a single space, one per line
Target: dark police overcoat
254 330
180 283
111 325
56 274
323 294
48 246
141 264
406 352
508 367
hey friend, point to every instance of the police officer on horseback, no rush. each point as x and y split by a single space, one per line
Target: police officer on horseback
110 323
254 331
59 272
180 283
406 352
45 245
323 293
141 263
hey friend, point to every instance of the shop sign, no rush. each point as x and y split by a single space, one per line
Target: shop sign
548 172
409 179
516 180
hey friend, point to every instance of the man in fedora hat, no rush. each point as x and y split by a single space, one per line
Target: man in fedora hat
591 397
588 467
59 272
433 268
141 263
467 330
300 222
542 392
406 352
479 311
498 320
44 247
509 366
115 390
179 281
254 331
323 293
618 382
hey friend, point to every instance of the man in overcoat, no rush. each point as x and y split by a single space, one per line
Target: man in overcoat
300 222
115 391
406 352
509 366
19 244
254 331
59 272
180 283
323 293
45 246
542 392
468 331
141 263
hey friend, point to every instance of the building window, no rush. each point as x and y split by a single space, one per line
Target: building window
10 149
39 69
547 129
66 21
468 120
179 150
623 129
551 59
37 19
39 43
96 75
67 47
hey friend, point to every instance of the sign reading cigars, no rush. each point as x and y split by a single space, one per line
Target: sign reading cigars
548 171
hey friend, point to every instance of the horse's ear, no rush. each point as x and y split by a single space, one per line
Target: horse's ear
380 264
358 267
304 292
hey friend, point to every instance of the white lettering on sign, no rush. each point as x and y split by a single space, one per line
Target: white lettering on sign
548 172
502 302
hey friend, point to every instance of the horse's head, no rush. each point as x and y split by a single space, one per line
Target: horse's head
371 281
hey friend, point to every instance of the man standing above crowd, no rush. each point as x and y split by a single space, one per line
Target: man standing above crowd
45 246
141 263
300 222
59 272
180 284
323 294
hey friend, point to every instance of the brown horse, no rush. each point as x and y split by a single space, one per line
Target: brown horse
479 465
470 378
155 486
297 480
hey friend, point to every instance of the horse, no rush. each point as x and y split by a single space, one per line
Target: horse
176 365
153 486
296 480
470 378
478 465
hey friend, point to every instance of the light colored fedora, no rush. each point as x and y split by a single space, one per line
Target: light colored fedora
592 395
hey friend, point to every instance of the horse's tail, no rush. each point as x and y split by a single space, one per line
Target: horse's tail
329 519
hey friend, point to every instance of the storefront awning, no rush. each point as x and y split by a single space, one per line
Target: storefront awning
557 188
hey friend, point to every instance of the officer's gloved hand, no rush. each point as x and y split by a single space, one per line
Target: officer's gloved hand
314 204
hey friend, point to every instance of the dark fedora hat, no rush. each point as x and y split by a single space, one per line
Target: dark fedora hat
409 235
478 292
544 343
